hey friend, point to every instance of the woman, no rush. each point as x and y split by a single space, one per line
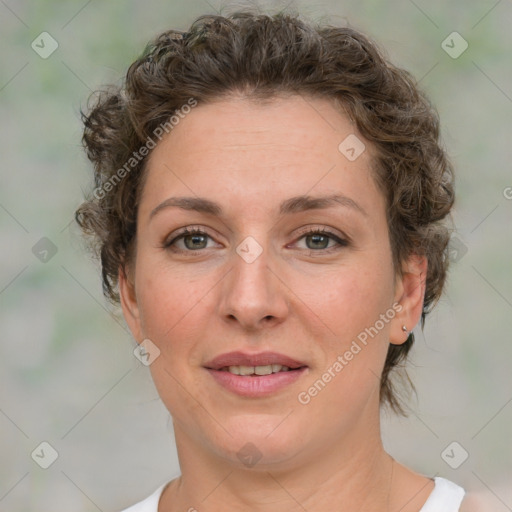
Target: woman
269 210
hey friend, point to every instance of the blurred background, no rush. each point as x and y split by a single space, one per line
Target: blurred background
68 376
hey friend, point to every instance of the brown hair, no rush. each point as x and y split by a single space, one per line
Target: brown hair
265 55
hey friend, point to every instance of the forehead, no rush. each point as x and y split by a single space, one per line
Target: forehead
241 148
236 123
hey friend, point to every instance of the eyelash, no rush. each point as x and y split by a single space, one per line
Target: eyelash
318 231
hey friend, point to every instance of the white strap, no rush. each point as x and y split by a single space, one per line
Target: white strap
446 497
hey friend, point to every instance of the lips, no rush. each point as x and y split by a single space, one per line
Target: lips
260 359
255 375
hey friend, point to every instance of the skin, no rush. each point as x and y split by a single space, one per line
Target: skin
296 298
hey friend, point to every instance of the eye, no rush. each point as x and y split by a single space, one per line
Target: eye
319 240
193 239
196 239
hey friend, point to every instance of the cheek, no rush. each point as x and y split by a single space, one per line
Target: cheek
355 341
347 300
167 299
178 315
174 316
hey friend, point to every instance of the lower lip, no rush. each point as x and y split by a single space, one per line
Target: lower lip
256 386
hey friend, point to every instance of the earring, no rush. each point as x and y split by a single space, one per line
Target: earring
404 328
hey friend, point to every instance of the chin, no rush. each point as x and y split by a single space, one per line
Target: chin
260 441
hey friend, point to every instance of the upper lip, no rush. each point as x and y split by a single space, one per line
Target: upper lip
245 359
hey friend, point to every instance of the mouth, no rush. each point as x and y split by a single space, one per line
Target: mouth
247 371
255 375
263 363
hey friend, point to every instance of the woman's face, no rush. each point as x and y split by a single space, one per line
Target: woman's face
255 292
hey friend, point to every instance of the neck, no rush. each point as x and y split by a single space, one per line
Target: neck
355 475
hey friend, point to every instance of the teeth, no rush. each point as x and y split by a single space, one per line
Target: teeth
263 370
256 370
245 370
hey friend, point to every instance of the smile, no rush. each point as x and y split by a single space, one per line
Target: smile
255 375
255 370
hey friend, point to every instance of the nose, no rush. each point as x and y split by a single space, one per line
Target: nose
253 294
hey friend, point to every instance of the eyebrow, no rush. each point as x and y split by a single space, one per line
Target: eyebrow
289 206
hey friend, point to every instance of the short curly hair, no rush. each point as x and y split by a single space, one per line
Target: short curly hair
265 55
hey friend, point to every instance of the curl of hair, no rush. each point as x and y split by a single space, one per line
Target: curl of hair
262 56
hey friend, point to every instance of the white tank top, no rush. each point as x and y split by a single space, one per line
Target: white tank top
446 497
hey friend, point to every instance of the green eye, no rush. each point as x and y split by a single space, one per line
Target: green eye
196 237
320 239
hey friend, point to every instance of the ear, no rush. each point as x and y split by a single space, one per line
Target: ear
129 304
409 293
